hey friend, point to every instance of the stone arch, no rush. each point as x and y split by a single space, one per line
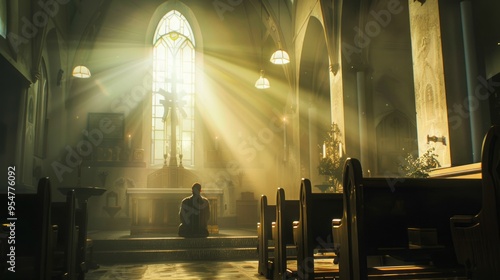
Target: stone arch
314 96
396 136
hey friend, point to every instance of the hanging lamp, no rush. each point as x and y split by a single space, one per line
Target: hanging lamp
262 82
81 71
280 56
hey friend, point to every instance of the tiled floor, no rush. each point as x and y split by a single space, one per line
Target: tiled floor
177 271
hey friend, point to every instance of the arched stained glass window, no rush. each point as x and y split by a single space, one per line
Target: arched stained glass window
173 91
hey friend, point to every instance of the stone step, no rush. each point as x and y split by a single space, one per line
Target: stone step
175 243
149 256
129 250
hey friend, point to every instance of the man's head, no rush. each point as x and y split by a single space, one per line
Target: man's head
196 188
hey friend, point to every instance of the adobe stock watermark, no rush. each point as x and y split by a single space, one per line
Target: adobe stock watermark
84 148
327 245
372 29
461 111
196 207
248 149
400 176
223 6
29 29
128 101
123 104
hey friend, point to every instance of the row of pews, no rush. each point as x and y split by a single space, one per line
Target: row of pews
41 239
295 236
381 228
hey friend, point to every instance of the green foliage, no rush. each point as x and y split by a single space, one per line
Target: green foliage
419 167
331 164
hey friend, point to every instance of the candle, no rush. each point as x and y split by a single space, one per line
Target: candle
129 141
340 149
324 150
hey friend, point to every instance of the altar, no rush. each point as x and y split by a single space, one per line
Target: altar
156 210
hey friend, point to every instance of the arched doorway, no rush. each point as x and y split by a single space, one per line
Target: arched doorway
396 137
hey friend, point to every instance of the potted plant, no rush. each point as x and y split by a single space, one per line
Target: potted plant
332 158
419 167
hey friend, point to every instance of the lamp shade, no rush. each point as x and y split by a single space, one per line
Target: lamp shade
280 57
262 82
81 71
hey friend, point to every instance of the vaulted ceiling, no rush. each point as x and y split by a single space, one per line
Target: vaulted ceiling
246 31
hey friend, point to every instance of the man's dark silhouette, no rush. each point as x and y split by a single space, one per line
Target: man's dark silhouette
194 214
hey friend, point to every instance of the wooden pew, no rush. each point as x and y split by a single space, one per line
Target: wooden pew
264 236
387 216
63 218
287 211
82 265
85 245
477 237
313 231
45 235
32 231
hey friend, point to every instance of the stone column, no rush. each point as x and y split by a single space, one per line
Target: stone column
313 146
428 76
363 127
471 71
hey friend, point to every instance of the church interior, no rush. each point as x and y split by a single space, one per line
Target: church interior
243 97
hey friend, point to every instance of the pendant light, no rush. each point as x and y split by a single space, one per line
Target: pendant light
262 82
280 56
81 71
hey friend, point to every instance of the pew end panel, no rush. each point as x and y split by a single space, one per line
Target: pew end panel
337 238
476 237
287 211
382 216
350 265
314 232
63 218
264 236
33 231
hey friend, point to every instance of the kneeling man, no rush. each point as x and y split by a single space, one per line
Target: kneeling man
194 214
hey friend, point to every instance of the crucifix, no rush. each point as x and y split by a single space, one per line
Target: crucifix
172 105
